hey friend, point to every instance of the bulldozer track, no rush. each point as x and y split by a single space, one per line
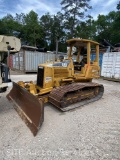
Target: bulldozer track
75 95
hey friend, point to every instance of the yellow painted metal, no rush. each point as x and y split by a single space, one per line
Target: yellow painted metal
48 78
61 73
44 91
70 51
88 53
81 41
97 54
67 80
21 83
45 99
32 88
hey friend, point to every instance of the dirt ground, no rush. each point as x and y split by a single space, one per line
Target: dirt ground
91 132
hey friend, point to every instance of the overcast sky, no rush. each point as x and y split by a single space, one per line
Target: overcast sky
52 6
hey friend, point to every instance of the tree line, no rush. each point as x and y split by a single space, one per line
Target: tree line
72 21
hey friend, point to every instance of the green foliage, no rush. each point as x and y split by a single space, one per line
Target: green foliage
9 25
52 28
45 30
108 27
86 29
32 29
74 11
118 6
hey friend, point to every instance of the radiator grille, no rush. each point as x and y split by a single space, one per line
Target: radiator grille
40 76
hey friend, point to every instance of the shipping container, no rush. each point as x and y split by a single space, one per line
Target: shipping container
111 65
32 59
27 61
93 56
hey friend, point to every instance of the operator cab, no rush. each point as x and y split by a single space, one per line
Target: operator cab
78 64
83 47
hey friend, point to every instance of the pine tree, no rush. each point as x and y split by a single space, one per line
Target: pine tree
74 11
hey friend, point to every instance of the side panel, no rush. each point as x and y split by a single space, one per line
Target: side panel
117 66
45 77
21 61
107 66
16 61
48 77
111 65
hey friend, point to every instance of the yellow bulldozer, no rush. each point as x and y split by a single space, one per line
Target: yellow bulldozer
64 83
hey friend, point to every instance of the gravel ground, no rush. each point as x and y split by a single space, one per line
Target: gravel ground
91 132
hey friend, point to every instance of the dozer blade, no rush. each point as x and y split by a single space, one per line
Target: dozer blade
30 109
